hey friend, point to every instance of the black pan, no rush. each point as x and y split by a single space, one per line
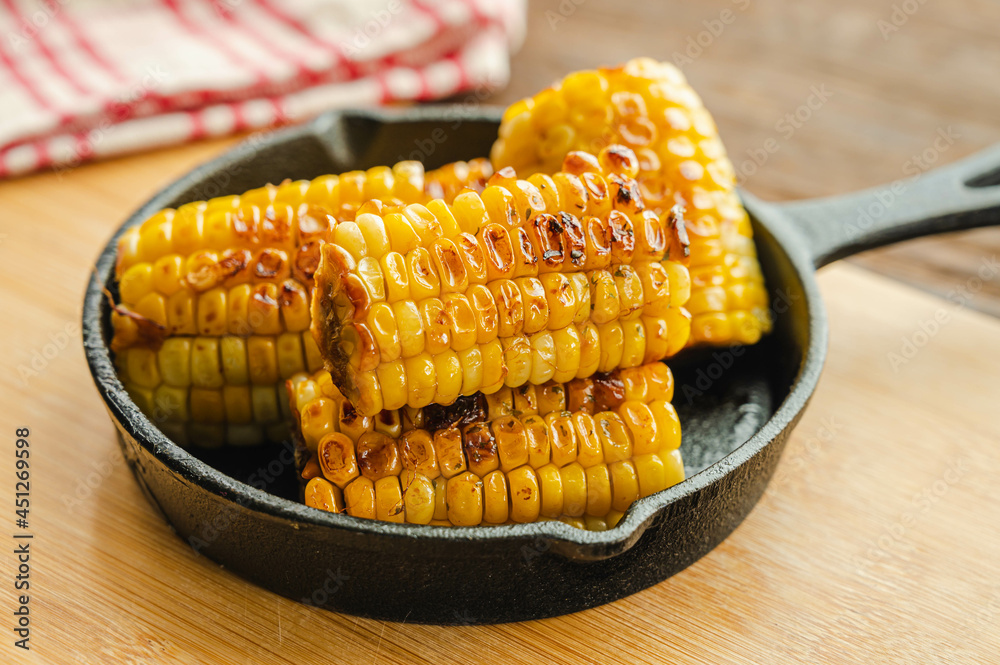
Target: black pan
738 406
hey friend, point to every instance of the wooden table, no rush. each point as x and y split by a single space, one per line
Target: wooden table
877 540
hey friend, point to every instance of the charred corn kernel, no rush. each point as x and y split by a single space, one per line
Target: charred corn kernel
322 495
465 499
638 418
589 446
536 432
448 447
480 447
562 438
512 442
649 107
271 234
547 275
337 459
418 454
499 404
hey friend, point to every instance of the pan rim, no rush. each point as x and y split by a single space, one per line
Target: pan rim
192 470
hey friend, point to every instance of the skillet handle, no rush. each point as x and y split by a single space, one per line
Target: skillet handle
959 196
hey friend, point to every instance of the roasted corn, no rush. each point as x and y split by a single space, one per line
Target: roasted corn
551 278
650 107
208 391
214 296
582 452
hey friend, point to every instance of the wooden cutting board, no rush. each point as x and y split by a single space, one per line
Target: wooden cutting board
877 541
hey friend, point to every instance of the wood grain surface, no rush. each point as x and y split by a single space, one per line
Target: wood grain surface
877 540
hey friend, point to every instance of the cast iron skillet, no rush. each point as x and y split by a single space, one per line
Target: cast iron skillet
738 406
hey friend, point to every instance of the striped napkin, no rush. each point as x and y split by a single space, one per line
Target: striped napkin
87 79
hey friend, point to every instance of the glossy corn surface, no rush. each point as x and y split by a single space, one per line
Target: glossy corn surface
243 265
649 107
213 297
581 451
551 278
210 391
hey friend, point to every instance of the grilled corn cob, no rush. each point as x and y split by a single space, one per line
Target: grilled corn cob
213 297
214 390
243 265
649 107
530 281
582 452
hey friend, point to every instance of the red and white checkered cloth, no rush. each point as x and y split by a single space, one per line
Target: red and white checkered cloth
86 79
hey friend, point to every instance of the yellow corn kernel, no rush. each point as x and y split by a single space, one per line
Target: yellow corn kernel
359 498
589 446
525 494
262 360
265 404
543 357
536 433
480 448
418 498
472 370
206 370
410 326
337 459
169 404
211 317
633 343
234 359
437 328
624 484
612 345
173 361
550 491
512 442
207 406
389 505
463 329
574 487
421 380
448 449
290 358
322 495
496 500
448 374
465 499
494 370
599 495
562 438
604 301
500 404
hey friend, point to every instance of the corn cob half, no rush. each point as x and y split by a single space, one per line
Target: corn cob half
532 280
243 265
582 452
214 297
649 107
